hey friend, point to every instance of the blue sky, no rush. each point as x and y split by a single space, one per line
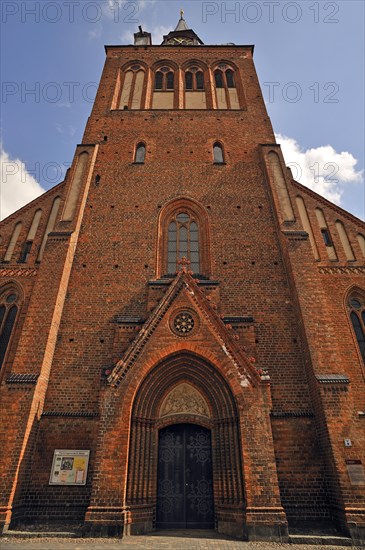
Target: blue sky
309 57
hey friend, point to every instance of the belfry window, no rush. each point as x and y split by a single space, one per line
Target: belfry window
140 153
165 93
8 312
183 242
224 77
225 87
195 96
356 308
164 79
194 79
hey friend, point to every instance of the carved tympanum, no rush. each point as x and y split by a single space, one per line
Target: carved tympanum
184 399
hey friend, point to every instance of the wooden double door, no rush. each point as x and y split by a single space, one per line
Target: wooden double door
184 478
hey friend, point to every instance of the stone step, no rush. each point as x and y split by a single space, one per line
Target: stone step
320 540
42 534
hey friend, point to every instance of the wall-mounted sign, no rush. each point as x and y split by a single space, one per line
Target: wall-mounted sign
355 469
69 467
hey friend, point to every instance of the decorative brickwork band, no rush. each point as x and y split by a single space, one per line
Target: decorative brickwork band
237 320
19 272
332 379
296 235
291 414
338 270
22 379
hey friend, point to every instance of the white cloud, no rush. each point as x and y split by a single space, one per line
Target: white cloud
66 104
96 32
322 169
127 37
125 11
158 33
17 186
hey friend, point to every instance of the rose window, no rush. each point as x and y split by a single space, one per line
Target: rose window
184 323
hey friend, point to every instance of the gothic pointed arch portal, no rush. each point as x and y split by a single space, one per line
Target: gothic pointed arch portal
184 390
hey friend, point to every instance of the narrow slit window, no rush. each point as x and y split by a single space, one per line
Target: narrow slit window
218 153
326 237
140 153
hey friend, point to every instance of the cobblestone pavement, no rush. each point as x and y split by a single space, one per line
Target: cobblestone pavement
157 541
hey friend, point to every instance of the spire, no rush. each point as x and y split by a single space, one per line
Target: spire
181 26
182 35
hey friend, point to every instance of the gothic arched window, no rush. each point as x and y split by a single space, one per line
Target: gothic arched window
195 96
9 305
356 309
225 87
164 79
194 79
140 154
165 89
183 242
224 77
183 231
218 153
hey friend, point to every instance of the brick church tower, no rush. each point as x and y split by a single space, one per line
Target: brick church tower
182 323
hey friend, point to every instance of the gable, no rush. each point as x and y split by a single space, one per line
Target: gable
186 320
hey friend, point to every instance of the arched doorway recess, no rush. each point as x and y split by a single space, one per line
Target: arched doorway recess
184 389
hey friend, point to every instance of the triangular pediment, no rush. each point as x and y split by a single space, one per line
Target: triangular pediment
184 314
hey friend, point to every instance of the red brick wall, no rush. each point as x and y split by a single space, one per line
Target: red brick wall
300 325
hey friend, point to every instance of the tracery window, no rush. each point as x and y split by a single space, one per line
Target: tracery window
225 87
9 305
356 309
183 241
183 231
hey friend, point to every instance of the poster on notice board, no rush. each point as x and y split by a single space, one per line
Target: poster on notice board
69 467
